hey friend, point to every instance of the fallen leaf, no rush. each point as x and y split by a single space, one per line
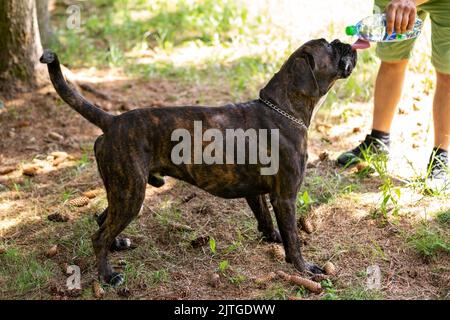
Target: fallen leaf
31 170
7 169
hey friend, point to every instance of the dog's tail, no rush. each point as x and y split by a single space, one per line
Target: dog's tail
74 99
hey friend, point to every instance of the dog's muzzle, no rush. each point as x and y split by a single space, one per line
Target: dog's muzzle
348 58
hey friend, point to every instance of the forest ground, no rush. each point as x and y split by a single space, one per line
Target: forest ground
378 214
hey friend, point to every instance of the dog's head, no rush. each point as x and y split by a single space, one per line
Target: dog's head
313 69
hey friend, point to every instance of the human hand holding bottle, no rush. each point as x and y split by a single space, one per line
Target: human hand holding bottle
401 16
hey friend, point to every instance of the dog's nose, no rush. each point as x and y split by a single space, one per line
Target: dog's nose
347 67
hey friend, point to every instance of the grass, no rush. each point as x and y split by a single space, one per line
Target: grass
24 273
323 188
444 217
350 293
390 193
275 292
360 293
429 241
79 239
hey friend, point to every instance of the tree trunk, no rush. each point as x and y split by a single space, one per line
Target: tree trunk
45 28
20 46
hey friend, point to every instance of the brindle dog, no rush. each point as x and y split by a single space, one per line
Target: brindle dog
136 148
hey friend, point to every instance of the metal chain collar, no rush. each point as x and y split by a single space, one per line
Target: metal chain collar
298 122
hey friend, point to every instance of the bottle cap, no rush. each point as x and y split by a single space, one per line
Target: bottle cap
351 30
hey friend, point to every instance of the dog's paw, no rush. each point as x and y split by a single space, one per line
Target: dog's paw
156 181
122 244
116 279
313 269
274 237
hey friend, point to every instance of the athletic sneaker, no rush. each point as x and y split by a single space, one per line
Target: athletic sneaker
438 180
370 145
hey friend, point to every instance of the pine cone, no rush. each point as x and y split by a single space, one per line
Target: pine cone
278 252
91 194
79 202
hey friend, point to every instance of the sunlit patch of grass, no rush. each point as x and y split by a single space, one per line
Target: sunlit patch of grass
390 193
444 217
429 241
129 25
248 47
322 189
23 273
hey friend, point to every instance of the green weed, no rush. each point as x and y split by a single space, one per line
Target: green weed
444 217
428 241
23 272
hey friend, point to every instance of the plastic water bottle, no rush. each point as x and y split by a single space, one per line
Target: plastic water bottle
373 29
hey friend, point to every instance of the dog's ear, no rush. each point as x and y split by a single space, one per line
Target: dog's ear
303 74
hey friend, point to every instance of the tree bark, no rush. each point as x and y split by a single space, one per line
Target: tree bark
20 46
43 16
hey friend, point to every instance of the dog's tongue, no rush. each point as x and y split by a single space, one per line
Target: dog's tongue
361 45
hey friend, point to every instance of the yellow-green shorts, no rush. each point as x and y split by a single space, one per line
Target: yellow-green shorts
439 12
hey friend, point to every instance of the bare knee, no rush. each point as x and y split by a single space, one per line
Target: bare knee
443 79
399 65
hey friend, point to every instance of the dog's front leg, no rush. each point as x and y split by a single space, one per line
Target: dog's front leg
259 207
285 214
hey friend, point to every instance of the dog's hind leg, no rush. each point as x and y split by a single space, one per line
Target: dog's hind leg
123 207
259 207
120 243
